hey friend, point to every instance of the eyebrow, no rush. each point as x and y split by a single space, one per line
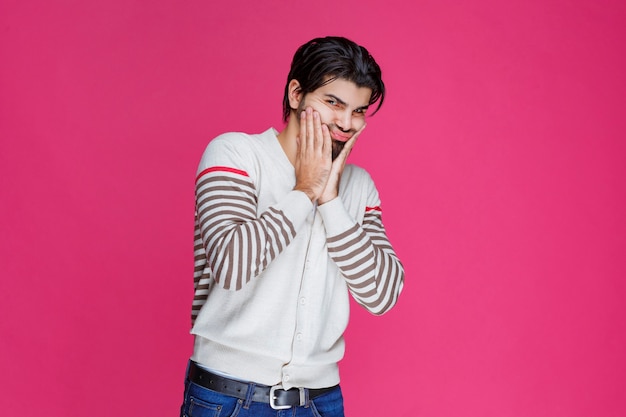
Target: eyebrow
343 103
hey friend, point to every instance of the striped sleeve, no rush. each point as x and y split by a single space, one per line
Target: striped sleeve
202 279
235 244
368 262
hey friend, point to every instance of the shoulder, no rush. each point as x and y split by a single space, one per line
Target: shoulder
237 150
357 191
231 150
235 143
239 142
356 174
356 180
232 140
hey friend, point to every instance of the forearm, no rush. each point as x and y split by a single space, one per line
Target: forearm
365 257
239 245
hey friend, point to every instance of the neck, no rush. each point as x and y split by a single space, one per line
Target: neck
288 137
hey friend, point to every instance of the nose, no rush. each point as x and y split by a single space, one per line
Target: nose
344 120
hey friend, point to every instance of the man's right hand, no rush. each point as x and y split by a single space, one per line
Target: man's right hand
314 155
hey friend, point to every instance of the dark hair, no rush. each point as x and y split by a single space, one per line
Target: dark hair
323 60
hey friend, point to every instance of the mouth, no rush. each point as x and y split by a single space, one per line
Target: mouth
340 136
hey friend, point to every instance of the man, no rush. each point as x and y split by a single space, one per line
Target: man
284 231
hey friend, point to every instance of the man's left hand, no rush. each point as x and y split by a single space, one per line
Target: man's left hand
331 190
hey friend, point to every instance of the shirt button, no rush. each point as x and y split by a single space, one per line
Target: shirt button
302 300
286 378
299 336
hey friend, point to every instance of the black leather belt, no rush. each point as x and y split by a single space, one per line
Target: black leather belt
275 396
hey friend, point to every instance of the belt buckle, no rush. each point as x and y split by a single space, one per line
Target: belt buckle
284 407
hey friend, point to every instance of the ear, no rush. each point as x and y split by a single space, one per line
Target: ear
294 94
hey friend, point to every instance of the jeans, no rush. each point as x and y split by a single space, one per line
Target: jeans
203 402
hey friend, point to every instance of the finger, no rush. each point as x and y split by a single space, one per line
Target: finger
310 129
319 134
302 138
327 147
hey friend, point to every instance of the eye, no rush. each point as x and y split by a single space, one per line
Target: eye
331 102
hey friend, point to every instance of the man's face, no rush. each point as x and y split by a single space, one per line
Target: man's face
342 106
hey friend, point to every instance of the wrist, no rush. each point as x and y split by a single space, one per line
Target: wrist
326 199
309 193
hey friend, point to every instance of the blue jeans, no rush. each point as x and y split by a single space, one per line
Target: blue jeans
203 402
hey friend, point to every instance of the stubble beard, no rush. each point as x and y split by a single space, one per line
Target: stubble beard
337 148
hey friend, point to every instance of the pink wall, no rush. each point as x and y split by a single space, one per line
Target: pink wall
500 156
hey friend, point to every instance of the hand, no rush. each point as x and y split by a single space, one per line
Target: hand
313 156
331 190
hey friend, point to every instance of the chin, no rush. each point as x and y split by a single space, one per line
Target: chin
337 148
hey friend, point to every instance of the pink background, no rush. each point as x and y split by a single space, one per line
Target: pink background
500 156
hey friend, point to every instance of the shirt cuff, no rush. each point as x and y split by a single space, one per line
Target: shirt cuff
335 216
296 206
